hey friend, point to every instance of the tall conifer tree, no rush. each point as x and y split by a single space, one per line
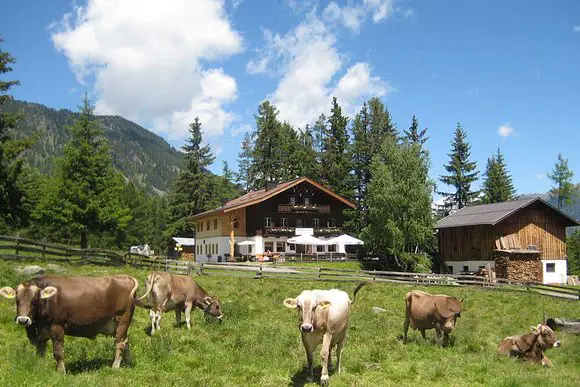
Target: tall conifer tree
244 176
462 171
561 176
497 183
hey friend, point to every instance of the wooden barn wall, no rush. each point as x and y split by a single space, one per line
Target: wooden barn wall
540 226
535 225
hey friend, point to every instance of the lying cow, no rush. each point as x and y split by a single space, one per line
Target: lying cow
181 293
52 307
530 347
323 316
426 311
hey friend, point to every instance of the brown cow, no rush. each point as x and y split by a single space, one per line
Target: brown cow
52 307
530 347
427 311
166 291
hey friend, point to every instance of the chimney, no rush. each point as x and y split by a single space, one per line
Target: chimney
270 185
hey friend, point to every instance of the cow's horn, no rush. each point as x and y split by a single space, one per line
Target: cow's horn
207 300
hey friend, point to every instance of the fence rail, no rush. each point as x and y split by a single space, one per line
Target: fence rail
28 249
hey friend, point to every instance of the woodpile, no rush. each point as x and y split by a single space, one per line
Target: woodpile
518 266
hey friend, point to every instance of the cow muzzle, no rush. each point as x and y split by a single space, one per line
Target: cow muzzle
306 328
557 344
23 320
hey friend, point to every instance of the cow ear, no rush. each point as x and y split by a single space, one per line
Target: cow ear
536 330
290 303
207 300
48 292
461 300
324 304
8 292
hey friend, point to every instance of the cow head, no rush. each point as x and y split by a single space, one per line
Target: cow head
545 337
28 297
308 308
449 313
211 306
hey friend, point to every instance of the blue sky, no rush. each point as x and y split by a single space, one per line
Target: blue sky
507 70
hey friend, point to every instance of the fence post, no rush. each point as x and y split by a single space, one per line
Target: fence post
43 252
166 265
17 246
319 272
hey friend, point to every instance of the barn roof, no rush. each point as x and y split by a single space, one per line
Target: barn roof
492 214
258 196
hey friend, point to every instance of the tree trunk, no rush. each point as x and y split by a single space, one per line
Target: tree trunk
84 240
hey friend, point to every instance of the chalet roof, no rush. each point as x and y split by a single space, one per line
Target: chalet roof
261 195
492 214
184 241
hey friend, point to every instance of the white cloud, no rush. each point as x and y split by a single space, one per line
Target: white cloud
310 67
541 176
145 59
505 130
577 28
244 128
353 15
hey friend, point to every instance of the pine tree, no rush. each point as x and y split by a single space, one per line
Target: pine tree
14 210
414 135
305 156
462 172
573 252
226 189
381 123
244 176
336 157
85 197
497 184
193 189
561 176
267 155
362 154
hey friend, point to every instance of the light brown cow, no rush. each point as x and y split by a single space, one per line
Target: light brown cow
323 318
166 291
52 307
427 311
530 347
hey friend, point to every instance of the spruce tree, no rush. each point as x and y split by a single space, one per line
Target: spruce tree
84 198
381 123
193 189
305 156
267 153
497 184
244 176
414 135
561 176
14 210
362 154
336 159
462 171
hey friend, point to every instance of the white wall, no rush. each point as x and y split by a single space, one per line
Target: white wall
222 249
472 265
560 275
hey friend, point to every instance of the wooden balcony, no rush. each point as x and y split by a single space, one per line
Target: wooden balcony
304 208
290 231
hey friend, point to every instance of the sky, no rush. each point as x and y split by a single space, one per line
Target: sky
506 70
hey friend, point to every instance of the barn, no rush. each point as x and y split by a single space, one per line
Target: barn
523 239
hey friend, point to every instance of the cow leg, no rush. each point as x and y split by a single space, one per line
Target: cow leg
177 317
546 362
41 348
439 334
339 346
407 316
121 339
188 307
423 334
309 357
324 353
57 337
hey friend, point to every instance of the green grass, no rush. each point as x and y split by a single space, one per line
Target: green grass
259 344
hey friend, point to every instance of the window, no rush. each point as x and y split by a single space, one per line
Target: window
465 268
550 267
332 248
280 247
292 200
306 200
200 227
481 267
291 246
298 222
236 222
215 222
207 228
268 246
315 222
216 248
284 222
450 268
320 248
268 222
331 222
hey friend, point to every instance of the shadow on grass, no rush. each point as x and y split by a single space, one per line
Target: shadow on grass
450 342
299 379
87 365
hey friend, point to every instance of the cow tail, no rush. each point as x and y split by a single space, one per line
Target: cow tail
359 287
134 290
152 275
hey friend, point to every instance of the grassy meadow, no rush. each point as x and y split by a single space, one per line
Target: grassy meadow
258 343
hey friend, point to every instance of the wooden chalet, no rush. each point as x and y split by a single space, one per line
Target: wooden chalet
264 219
523 239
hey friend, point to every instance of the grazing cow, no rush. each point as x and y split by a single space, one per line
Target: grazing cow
530 347
427 311
323 318
166 291
52 307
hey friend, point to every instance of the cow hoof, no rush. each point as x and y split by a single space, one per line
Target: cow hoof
309 379
324 379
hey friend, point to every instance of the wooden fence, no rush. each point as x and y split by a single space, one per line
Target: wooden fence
28 249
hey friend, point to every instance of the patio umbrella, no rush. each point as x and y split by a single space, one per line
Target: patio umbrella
344 239
306 240
246 243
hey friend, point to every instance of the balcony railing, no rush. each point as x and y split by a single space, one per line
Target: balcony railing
290 231
304 208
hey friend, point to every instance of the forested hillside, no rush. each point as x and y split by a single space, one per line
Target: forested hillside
142 156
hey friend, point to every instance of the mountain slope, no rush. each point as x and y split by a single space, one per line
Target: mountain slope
142 156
